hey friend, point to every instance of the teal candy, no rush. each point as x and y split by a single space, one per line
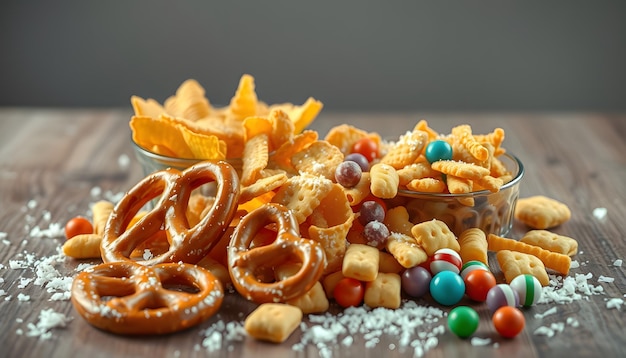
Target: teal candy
438 150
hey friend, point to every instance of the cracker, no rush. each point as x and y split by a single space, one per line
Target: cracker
255 158
262 186
384 291
384 181
415 171
406 150
463 133
360 191
541 212
515 263
460 169
388 264
273 322
397 220
302 194
100 212
434 235
427 185
83 246
473 246
313 301
552 260
319 158
361 262
330 281
406 250
551 241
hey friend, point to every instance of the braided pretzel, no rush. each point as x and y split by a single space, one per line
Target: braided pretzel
186 244
244 263
125 297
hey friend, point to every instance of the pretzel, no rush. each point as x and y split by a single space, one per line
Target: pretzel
245 262
186 244
125 297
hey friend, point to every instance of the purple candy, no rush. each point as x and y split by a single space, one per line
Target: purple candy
416 281
501 295
360 160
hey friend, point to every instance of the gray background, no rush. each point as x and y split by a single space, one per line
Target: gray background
352 55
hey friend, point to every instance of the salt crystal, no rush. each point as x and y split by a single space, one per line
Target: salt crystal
544 331
477 341
123 161
617 263
615 303
22 297
546 313
48 319
605 279
599 213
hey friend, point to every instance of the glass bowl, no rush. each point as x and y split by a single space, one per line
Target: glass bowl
151 162
492 212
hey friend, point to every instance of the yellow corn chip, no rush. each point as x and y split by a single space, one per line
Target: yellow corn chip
302 115
244 102
146 107
204 146
148 132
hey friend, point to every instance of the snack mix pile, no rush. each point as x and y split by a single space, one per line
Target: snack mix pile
304 221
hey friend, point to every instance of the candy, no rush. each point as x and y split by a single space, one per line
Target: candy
501 295
471 266
348 173
359 159
508 321
416 281
478 283
463 321
528 289
447 288
445 260
438 150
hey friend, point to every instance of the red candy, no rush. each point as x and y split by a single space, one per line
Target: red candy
478 283
349 292
508 321
445 260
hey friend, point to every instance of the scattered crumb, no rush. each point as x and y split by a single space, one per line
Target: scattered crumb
599 213
615 303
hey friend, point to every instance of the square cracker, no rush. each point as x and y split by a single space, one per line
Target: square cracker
273 322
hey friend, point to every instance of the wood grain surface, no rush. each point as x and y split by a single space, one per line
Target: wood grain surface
56 162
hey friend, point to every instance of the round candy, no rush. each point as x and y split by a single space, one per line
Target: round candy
348 174
447 288
76 226
463 321
445 260
438 150
501 295
528 289
360 160
366 147
508 321
470 266
478 283
416 281
371 211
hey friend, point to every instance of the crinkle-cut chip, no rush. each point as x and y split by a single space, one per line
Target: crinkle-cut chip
360 191
255 158
458 185
161 150
494 138
319 158
406 150
490 183
148 132
515 263
415 171
422 125
301 194
434 235
303 115
206 147
344 136
256 125
244 103
460 169
189 102
427 185
146 107
283 128
262 186
330 223
281 157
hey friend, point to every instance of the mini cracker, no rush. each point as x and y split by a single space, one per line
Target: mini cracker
515 263
384 291
100 212
273 322
262 186
460 169
388 264
255 158
313 301
397 220
540 212
406 150
473 243
426 185
384 181
83 246
415 171
360 191
551 241
434 235
361 262
405 250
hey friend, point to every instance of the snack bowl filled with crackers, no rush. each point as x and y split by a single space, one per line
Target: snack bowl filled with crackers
491 211
463 179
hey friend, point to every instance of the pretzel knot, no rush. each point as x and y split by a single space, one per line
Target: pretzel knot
246 263
169 214
128 298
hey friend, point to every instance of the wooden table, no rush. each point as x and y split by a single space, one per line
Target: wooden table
55 162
